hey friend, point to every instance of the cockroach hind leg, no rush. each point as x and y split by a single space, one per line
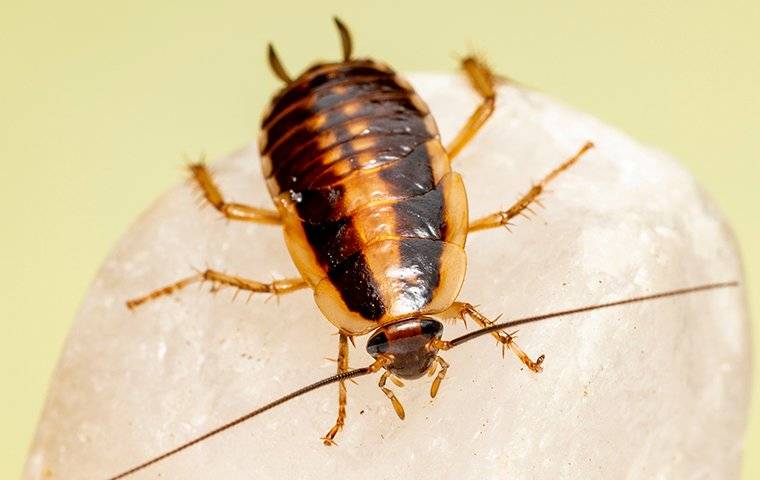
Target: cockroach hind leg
481 79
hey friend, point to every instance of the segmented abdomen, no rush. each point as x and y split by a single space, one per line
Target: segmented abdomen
374 218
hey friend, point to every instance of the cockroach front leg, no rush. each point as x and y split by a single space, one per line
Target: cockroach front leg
503 217
328 439
461 310
219 279
233 211
481 78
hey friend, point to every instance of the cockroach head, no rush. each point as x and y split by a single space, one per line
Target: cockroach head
408 344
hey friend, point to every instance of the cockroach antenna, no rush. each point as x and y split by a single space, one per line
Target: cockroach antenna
390 362
301 391
574 311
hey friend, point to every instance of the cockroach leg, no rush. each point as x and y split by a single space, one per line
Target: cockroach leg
391 396
461 309
441 373
233 211
219 279
482 80
503 217
328 439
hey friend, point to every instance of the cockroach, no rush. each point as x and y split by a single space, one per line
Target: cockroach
375 220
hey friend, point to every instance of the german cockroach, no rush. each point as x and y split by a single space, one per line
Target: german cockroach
375 221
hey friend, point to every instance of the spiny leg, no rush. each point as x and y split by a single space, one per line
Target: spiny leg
233 211
328 439
391 396
277 287
482 80
439 378
460 309
503 217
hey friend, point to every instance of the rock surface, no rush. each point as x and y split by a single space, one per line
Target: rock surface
654 390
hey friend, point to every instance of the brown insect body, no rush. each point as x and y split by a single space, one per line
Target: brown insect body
374 218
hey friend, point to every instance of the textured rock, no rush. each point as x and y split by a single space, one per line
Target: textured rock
642 391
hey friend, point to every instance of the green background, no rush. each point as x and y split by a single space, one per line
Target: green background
99 99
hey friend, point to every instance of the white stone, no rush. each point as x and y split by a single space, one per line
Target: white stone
654 390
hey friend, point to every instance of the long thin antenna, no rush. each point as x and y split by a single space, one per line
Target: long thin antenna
522 321
301 391
451 344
